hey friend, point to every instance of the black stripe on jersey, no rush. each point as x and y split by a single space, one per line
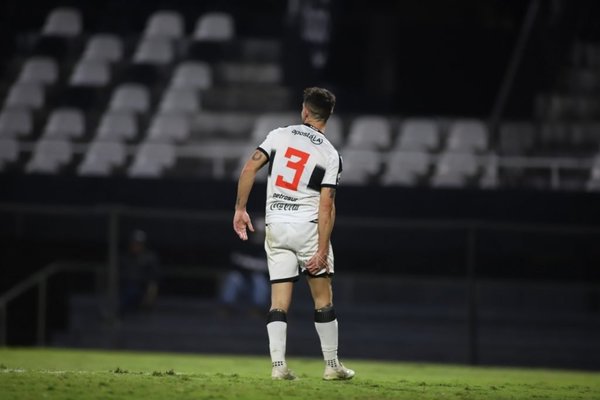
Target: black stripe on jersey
329 185
273 152
264 152
316 178
340 167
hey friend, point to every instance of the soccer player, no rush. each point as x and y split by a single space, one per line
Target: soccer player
304 170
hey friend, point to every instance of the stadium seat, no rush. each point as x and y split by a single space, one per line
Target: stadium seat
228 73
154 51
167 24
516 138
101 158
9 152
265 123
223 124
41 70
63 21
418 134
151 160
90 73
406 168
25 95
593 183
180 100
214 26
467 136
193 75
15 123
360 167
168 128
49 156
130 97
369 132
64 123
104 47
454 170
117 126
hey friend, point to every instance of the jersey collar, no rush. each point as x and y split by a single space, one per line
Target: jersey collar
315 128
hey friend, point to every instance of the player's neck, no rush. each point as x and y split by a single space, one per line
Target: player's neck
316 125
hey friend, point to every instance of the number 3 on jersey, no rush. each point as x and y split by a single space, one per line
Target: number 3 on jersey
298 165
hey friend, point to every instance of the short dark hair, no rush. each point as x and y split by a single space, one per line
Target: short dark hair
319 102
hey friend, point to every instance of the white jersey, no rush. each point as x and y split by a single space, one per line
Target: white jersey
301 162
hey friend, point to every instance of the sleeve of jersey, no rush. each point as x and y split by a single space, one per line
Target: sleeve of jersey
333 172
266 146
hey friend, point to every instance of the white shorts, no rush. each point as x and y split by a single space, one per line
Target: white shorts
289 246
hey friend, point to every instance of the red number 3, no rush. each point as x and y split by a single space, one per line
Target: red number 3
298 166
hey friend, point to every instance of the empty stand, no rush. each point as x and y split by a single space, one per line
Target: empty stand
154 50
25 95
406 168
65 123
169 128
192 75
467 136
102 158
417 134
63 21
163 23
93 73
130 97
360 167
117 126
455 170
151 160
15 123
40 70
180 100
214 26
49 156
369 132
104 47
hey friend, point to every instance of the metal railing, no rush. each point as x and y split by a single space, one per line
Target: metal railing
39 280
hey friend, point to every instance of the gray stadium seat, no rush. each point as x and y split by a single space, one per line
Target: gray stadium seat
25 95
9 152
468 135
151 160
406 168
249 73
180 100
167 24
15 123
101 158
360 167
192 74
42 70
516 138
154 50
454 170
104 47
369 132
117 126
418 134
265 123
214 26
49 156
63 21
168 128
90 73
130 97
64 123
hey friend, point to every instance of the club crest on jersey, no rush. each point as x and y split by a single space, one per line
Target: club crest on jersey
313 138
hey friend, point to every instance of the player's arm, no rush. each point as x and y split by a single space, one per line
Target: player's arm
325 227
241 219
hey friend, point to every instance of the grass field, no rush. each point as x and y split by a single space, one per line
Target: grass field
83 375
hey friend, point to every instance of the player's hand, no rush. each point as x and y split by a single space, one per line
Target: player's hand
241 221
318 262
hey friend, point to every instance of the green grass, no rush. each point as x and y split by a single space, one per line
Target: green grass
85 375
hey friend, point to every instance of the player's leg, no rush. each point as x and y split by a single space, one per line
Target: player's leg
283 272
326 325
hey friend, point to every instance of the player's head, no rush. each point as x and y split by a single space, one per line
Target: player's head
319 103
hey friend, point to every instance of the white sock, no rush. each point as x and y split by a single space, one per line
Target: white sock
277 338
328 333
